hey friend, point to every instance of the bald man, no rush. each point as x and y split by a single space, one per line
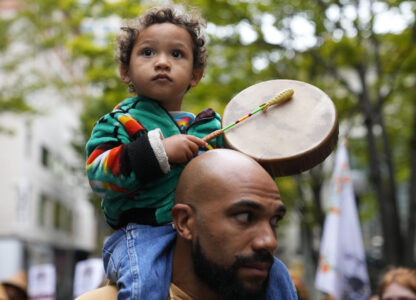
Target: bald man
226 211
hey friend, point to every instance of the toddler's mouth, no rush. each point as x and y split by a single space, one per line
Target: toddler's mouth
162 77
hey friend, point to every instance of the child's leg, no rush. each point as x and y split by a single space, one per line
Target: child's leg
280 283
139 259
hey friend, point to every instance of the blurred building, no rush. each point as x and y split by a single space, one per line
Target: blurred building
45 214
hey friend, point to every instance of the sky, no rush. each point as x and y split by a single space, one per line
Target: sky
302 35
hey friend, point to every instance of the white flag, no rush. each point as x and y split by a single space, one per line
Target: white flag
342 269
89 274
42 282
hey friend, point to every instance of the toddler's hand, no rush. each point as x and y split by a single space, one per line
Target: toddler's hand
180 148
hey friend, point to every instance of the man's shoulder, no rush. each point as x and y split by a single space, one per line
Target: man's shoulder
108 292
175 293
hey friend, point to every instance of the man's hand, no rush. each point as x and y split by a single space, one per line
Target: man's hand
180 148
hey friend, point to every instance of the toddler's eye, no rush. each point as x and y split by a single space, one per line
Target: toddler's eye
177 54
147 52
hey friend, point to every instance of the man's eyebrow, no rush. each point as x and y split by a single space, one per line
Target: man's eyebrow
247 204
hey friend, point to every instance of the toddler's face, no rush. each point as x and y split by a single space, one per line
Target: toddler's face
161 65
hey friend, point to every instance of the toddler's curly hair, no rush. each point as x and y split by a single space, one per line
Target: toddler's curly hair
402 276
191 21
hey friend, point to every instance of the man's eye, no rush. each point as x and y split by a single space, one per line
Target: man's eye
147 52
177 54
243 217
275 221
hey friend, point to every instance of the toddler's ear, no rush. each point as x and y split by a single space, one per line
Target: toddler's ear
124 73
196 76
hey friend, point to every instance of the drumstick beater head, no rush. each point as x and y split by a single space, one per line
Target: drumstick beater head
283 96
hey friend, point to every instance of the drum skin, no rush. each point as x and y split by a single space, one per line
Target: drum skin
288 138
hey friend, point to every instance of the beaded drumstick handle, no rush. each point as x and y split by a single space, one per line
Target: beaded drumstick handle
283 96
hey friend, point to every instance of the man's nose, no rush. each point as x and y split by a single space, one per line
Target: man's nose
265 238
162 62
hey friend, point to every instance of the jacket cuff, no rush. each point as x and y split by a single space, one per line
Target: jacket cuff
155 139
142 159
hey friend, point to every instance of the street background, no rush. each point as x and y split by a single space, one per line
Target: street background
58 76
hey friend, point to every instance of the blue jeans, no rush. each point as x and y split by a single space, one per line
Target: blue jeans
139 259
280 286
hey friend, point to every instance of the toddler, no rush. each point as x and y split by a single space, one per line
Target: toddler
137 151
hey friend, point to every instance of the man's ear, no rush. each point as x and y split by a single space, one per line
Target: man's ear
124 73
196 76
183 217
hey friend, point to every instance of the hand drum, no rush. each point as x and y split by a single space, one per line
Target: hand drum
288 138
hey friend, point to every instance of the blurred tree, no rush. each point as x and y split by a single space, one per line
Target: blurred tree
12 90
370 77
344 48
339 46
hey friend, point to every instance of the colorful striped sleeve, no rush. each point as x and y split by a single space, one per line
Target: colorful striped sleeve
119 157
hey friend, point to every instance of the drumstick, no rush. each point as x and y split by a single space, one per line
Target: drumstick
283 96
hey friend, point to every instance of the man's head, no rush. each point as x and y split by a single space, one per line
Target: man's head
187 32
227 208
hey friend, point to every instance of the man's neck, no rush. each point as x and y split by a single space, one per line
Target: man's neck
184 277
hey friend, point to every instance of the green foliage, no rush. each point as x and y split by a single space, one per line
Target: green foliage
347 59
14 105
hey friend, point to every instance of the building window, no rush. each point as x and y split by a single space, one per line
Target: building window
43 202
45 156
28 138
57 215
62 218
67 220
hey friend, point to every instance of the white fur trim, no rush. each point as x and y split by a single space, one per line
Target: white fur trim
155 140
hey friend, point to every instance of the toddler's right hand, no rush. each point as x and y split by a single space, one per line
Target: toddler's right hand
180 148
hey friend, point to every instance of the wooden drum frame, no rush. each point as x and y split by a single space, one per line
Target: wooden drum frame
289 137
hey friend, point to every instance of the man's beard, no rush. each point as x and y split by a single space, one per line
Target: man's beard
225 281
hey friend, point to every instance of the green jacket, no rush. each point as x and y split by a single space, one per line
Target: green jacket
121 165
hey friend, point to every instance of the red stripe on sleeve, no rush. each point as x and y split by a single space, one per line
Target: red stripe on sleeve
113 160
132 126
97 152
116 188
